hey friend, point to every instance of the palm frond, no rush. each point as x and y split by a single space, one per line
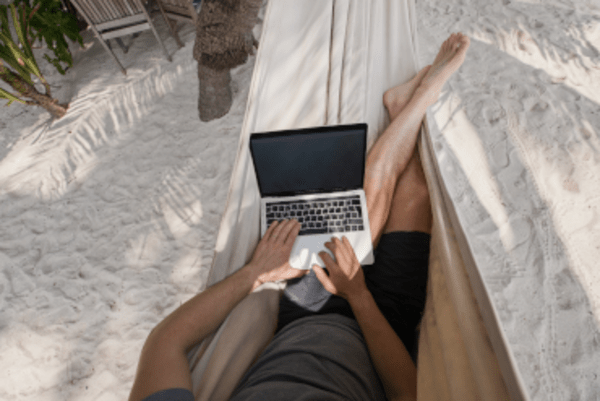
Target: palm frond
11 54
21 29
11 98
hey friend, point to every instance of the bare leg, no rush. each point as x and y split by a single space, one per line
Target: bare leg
392 153
410 207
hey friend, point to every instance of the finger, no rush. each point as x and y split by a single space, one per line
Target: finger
340 253
349 249
328 260
277 231
334 248
323 278
291 231
270 229
331 245
295 273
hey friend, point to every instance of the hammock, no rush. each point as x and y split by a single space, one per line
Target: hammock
326 62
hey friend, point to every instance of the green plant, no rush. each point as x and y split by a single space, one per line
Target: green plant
33 21
48 22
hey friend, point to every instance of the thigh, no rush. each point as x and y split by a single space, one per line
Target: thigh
410 208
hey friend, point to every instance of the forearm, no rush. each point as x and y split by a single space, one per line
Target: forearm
163 363
388 353
201 315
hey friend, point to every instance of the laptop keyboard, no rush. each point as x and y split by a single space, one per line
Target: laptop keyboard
320 216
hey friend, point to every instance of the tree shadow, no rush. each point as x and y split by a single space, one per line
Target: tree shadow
112 221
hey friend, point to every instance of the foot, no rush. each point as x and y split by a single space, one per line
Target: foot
447 62
396 98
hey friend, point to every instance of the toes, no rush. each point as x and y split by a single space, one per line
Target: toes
450 42
465 40
447 44
464 43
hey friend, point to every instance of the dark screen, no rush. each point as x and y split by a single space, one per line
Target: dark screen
309 162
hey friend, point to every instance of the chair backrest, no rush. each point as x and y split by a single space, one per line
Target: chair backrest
102 11
182 10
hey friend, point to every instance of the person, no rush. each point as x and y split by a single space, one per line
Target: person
344 332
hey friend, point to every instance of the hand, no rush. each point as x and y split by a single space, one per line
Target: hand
271 258
346 277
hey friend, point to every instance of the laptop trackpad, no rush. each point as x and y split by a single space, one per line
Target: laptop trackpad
306 249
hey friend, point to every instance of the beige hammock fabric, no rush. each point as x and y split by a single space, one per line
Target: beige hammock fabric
325 62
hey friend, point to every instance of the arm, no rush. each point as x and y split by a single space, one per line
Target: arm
163 363
388 353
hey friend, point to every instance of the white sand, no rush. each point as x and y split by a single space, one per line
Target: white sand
520 155
109 216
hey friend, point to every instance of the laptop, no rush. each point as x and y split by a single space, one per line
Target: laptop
315 175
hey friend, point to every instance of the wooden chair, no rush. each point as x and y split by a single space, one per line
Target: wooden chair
177 10
112 19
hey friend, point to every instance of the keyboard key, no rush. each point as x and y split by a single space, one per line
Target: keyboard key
313 231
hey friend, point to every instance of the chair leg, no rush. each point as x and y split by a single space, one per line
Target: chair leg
160 42
91 24
122 45
171 27
109 50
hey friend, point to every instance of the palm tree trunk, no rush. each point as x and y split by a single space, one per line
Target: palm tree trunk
223 41
27 90
215 98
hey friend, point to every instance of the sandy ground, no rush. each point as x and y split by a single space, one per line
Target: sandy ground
109 216
520 157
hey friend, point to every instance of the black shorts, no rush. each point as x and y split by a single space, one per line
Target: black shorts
397 280
172 394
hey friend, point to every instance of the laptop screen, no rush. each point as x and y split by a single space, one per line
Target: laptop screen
324 159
